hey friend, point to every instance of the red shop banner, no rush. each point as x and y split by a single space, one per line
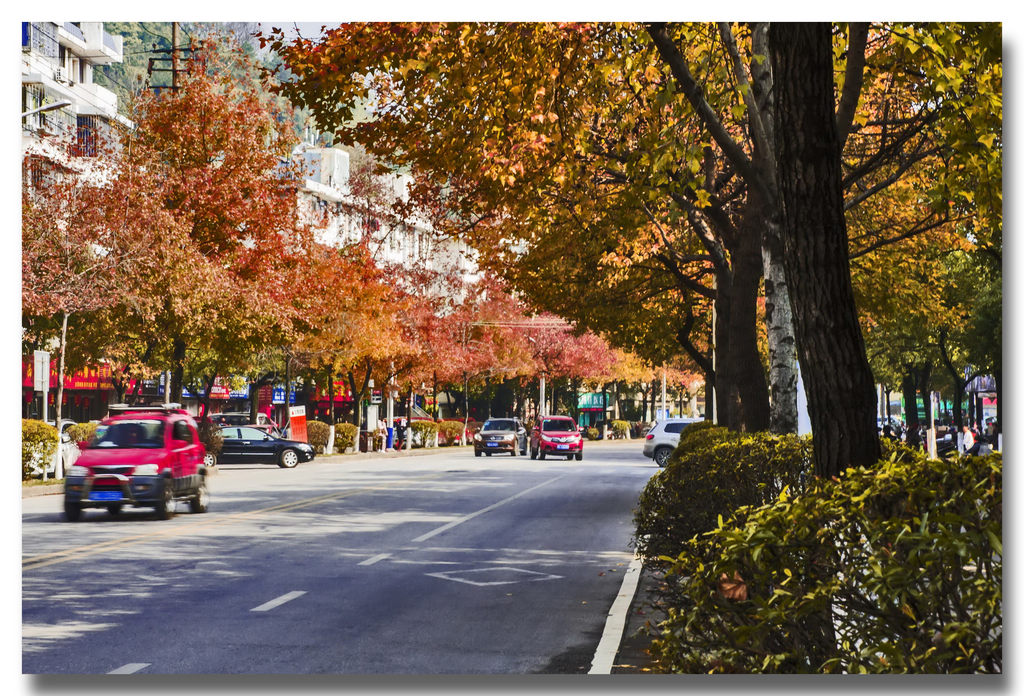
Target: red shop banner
92 377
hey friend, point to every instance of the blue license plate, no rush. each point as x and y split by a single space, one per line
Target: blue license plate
106 495
492 444
563 446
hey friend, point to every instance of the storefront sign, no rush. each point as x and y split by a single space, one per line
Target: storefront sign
297 418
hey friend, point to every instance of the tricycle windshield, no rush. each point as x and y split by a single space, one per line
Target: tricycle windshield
130 434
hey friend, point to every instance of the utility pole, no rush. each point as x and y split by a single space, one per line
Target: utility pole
174 50
174 56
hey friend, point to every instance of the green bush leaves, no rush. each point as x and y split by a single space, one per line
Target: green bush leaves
39 443
897 568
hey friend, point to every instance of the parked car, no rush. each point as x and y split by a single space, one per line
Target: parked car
500 435
240 418
139 458
68 451
556 435
663 437
247 444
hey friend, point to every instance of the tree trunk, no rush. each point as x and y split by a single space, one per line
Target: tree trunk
287 392
838 379
330 397
998 375
178 369
747 397
778 315
910 408
58 411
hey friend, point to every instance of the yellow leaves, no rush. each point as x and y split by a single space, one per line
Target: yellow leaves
987 140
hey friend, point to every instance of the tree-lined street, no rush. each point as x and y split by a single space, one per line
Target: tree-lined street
437 564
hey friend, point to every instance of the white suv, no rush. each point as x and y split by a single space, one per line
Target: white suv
663 437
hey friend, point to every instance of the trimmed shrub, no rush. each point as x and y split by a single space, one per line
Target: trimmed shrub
82 432
711 473
449 432
423 433
892 569
345 435
317 434
210 436
39 442
592 433
620 429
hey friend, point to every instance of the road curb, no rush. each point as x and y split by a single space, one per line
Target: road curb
618 616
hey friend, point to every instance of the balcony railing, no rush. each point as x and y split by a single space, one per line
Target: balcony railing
109 42
74 30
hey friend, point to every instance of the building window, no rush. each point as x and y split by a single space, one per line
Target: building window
88 135
40 38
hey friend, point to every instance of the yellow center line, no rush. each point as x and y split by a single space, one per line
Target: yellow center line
47 559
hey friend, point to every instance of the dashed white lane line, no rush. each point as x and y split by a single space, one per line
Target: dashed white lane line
130 668
455 523
374 559
608 648
279 601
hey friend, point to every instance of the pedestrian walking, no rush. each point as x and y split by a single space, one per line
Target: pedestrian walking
971 446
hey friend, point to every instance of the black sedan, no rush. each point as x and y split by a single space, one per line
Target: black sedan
244 444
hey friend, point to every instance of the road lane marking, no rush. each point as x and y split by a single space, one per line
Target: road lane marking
455 523
130 668
279 601
378 557
615 626
47 559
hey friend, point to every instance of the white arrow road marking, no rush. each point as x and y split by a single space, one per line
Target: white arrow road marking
279 601
130 668
608 648
499 572
374 559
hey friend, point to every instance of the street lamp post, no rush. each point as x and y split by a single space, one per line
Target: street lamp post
46 107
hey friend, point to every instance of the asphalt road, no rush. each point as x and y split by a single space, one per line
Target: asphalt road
439 564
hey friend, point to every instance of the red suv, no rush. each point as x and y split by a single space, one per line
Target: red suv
140 458
556 435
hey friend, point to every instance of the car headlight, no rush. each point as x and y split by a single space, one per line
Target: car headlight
146 470
477 437
78 471
509 438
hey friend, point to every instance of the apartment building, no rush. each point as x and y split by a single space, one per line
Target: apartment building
64 113
349 217
64 116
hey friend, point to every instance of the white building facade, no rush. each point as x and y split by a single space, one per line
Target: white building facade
65 115
327 195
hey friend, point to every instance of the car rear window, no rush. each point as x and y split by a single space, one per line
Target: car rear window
675 427
557 425
131 434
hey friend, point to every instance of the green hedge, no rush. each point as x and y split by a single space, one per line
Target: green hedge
591 433
450 431
711 473
620 429
344 435
82 432
892 569
317 434
39 442
426 431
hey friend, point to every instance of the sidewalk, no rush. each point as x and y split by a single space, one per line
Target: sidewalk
634 656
